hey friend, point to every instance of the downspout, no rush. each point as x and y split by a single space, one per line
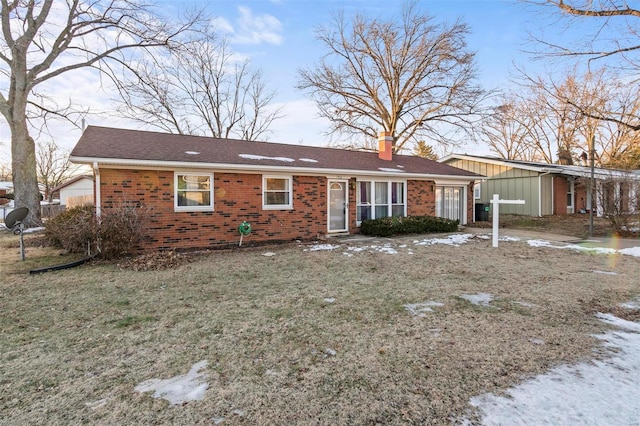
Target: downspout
96 173
540 193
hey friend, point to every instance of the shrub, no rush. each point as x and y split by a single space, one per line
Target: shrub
72 229
117 233
121 229
389 226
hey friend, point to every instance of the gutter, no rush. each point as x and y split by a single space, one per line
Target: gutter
96 172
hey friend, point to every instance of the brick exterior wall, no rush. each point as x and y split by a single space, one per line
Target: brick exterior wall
421 198
560 189
238 197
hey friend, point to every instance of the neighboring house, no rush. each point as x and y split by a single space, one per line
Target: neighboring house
77 191
199 190
548 189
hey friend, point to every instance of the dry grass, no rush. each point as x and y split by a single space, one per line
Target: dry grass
75 337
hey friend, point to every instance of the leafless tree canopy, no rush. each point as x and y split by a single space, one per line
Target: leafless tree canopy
539 120
200 88
52 166
412 77
611 39
42 40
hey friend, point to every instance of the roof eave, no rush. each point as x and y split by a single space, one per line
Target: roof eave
264 168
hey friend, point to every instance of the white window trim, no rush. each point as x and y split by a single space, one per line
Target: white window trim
178 208
277 206
390 205
477 191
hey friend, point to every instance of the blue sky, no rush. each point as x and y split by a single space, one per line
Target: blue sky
278 37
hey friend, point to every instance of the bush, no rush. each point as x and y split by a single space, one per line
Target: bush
121 229
116 234
73 229
389 226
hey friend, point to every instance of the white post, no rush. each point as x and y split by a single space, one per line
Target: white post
496 220
496 201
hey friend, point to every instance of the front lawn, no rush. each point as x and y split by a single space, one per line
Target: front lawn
332 333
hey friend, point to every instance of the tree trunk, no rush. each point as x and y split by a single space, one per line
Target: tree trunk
23 152
25 181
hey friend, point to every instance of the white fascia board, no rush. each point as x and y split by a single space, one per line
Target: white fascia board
245 168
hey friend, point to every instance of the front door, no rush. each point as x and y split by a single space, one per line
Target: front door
338 206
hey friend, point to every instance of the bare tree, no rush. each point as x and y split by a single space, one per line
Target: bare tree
411 77
42 40
508 130
53 167
5 172
611 36
536 122
200 88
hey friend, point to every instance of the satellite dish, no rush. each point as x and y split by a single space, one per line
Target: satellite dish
13 221
16 217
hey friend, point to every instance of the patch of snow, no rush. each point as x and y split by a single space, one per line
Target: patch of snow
604 272
631 251
318 247
261 157
508 239
97 404
357 249
191 152
329 299
525 304
633 304
399 166
308 160
32 230
481 299
217 420
600 392
330 352
384 169
189 387
347 254
269 254
453 240
419 309
537 341
543 243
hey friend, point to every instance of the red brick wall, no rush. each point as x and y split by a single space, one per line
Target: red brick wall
237 197
560 188
421 198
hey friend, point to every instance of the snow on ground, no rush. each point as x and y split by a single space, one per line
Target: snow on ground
631 251
604 272
318 247
600 250
419 309
177 390
481 299
452 240
600 392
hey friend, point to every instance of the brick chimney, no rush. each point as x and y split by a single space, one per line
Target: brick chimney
385 143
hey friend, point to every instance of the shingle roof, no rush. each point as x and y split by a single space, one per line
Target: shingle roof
107 145
570 170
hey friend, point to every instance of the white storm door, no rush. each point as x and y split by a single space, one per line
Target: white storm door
338 206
